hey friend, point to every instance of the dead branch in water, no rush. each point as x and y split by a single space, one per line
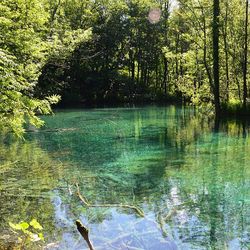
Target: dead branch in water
86 203
85 233
170 214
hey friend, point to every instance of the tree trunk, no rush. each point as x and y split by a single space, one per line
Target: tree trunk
226 53
206 64
165 61
245 61
216 71
165 75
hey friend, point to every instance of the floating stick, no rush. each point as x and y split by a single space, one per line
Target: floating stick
85 233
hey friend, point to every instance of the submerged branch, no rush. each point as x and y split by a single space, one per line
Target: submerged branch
86 203
170 214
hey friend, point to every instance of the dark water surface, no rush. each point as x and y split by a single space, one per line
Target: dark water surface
192 182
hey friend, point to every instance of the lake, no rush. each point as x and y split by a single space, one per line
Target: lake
189 176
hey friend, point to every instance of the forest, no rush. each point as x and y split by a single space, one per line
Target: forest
113 52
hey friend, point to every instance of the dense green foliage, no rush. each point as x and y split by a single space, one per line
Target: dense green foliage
130 58
21 57
114 51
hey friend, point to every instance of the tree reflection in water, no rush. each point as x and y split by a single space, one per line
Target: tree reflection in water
191 182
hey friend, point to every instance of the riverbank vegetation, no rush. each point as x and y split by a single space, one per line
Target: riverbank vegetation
113 52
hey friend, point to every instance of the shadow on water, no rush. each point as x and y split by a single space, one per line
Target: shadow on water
189 173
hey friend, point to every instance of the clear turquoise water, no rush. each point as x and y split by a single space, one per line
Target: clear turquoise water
192 182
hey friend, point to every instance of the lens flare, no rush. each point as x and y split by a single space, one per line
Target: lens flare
154 15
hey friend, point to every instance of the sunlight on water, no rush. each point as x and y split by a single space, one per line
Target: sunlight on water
193 184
